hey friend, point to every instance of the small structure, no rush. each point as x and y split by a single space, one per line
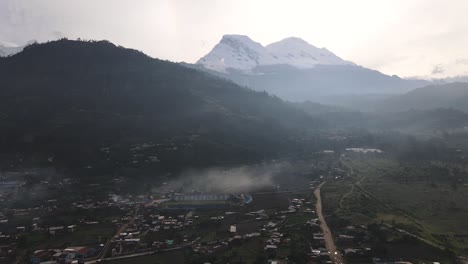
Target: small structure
71 228
233 229
201 197
271 249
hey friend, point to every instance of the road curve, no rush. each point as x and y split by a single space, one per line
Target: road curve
329 243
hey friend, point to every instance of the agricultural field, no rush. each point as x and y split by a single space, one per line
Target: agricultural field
175 257
98 234
426 200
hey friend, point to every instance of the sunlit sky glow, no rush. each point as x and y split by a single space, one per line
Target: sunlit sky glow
402 37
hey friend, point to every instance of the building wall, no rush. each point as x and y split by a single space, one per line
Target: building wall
201 197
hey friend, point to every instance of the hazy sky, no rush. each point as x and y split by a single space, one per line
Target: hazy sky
403 37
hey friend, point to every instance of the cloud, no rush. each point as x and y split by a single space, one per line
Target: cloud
392 36
438 69
58 34
462 62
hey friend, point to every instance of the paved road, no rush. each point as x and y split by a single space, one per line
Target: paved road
329 243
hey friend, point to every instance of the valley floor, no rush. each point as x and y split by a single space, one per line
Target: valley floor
408 200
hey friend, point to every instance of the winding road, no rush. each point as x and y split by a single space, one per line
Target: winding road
329 243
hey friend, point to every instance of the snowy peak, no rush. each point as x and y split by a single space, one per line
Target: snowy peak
291 42
235 51
240 40
297 52
242 53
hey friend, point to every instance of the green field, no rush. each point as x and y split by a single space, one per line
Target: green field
170 257
427 200
82 235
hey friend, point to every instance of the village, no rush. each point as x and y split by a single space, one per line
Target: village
272 225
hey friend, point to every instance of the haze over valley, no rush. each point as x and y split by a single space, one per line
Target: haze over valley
255 147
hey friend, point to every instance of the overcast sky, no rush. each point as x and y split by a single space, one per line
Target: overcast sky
402 37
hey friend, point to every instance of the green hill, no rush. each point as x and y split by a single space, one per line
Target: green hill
92 104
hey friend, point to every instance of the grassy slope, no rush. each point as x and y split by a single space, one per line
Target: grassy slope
433 210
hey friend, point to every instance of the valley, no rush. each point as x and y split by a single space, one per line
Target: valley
351 209
122 158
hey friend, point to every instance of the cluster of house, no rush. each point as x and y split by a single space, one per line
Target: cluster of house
274 241
53 230
354 241
297 204
236 238
130 239
9 242
113 200
364 150
259 215
212 247
317 250
12 231
222 244
161 222
140 152
70 255
7 246
126 243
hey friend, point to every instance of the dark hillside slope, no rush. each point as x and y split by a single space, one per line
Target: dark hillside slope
452 95
320 84
97 105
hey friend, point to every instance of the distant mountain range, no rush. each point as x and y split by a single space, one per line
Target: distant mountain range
95 105
296 70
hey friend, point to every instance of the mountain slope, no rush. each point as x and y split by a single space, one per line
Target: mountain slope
320 84
453 95
101 106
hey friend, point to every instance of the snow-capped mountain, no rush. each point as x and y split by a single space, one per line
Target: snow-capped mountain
7 49
295 70
242 53
297 52
235 51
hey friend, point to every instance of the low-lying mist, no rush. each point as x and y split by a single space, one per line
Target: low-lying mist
237 179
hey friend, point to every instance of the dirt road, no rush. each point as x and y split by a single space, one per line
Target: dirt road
329 243
106 248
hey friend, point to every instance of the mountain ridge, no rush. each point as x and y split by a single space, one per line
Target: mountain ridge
297 71
71 99
450 95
